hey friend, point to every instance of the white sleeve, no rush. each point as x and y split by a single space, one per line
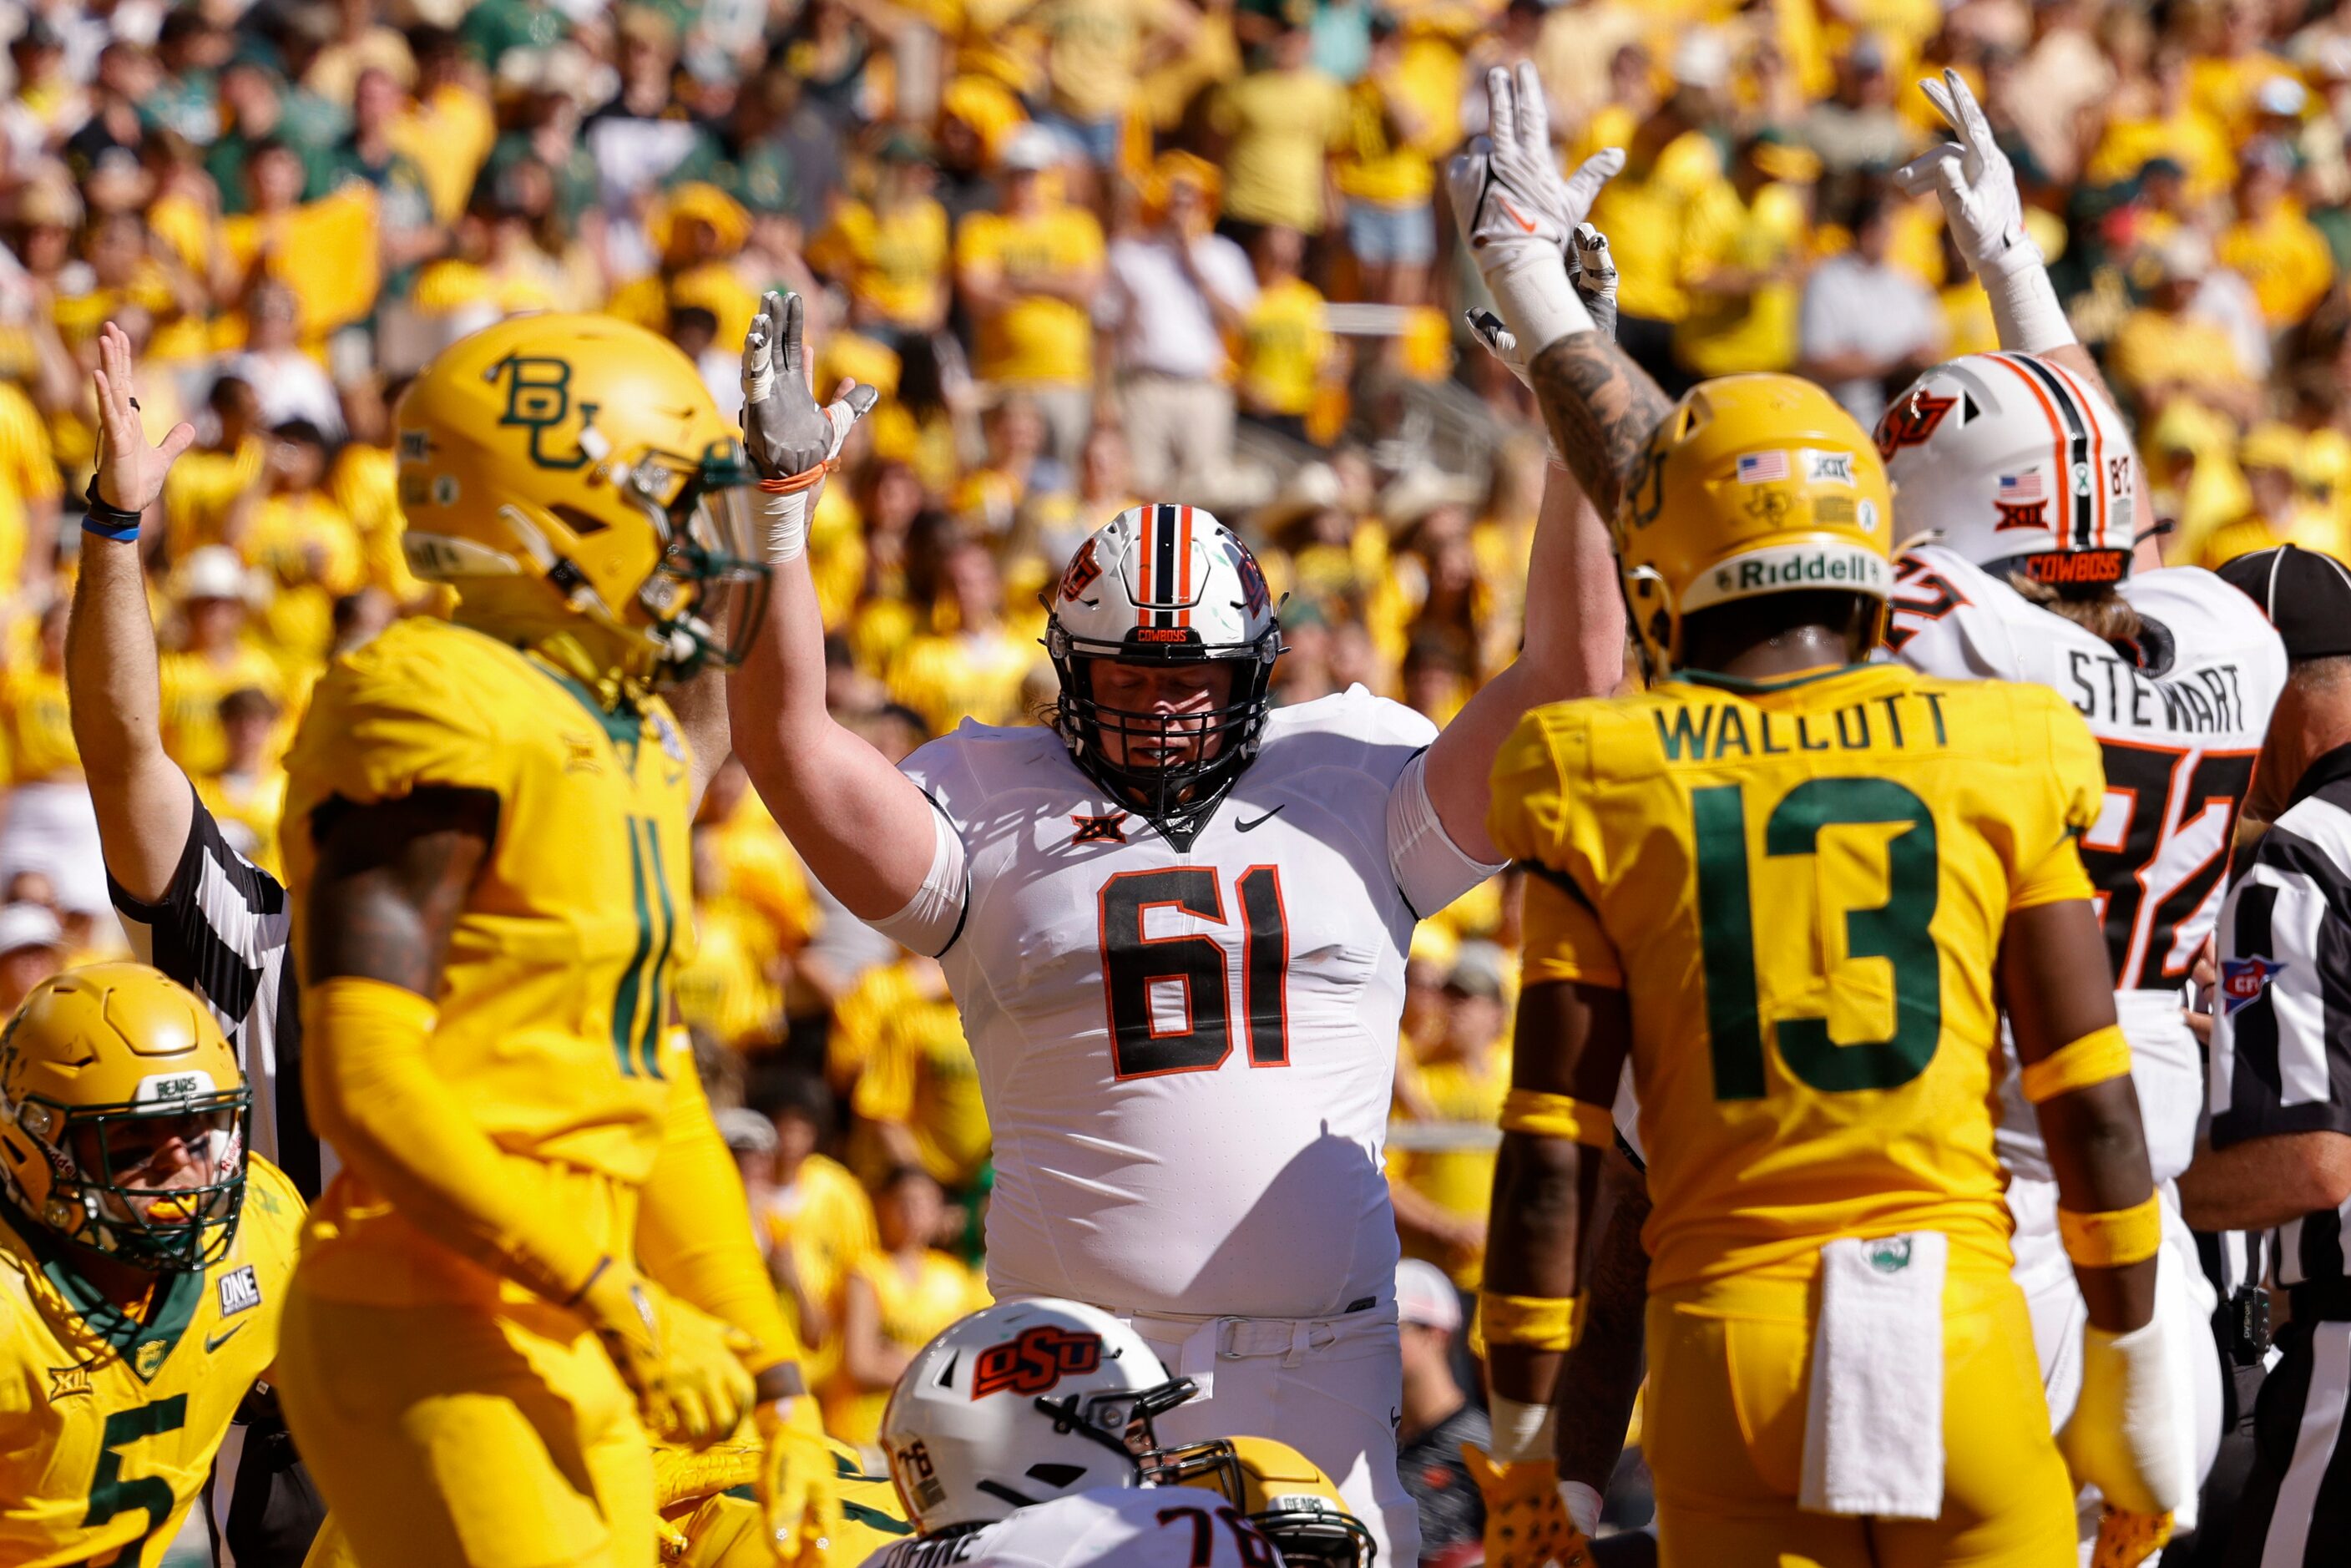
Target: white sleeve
932 918
1429 866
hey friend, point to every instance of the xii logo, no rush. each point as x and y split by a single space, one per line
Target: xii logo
539 399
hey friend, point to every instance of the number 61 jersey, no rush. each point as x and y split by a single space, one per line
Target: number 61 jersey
2179 727
1187 1054
1800 887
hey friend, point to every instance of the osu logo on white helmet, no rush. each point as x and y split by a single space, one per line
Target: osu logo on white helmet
2017 466
1019 1404
1169 585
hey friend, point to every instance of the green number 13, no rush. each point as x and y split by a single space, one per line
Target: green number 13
1895 931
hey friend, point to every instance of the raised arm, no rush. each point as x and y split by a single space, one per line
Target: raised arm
145 805
1558 294
1977 186
863 828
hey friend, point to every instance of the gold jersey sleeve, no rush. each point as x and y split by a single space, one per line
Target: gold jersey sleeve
109 1421
556 987
1802 888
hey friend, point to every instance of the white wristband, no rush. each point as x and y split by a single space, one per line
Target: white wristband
1582 1505
784 520
1537 302
2025 308
1522 1432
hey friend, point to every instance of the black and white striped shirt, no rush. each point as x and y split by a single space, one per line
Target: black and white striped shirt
222 929
2282 1033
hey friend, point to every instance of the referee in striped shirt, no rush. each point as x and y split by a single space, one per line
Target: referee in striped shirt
2280 1153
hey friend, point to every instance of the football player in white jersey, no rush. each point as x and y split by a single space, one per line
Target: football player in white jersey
2018 484
1174 920
1025 1434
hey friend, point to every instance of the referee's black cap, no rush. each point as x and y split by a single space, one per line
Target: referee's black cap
2306 596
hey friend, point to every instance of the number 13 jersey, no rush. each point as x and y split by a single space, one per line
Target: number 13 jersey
1801 889
1187 1054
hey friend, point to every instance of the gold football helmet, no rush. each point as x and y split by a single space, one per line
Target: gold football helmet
1280 1491
1752 485
572 476
101 1071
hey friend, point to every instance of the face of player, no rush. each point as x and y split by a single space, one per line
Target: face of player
157 1154
1187 696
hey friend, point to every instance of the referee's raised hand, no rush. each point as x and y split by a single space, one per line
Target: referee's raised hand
130 472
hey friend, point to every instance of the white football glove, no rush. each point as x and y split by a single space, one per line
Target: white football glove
1591 269
1977 186
1509 198
786 434
2121 1437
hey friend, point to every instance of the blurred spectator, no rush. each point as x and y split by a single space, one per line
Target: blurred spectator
2272 245
32 948
247 796
1288 356
214 657
1438 1418
814 1219
898 1039
1857 130
892 252
1028 275
1400 121
287 381
1278 122
898 1296
48 826
2283 510
1174 292
1456 1076
1866 326
1744 250
2165 350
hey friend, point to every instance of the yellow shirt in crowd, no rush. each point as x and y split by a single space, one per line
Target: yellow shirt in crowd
2286 259
1281 124
827 1221
36 731
1284 340
914 1308
896 261
1036 337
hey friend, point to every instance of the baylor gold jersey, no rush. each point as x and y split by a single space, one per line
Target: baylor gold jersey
555 989
1802 888
109 1424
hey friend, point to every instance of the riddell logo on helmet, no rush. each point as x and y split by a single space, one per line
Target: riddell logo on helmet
1035 1360
1796 571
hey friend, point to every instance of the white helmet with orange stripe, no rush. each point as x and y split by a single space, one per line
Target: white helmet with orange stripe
2014 462
1175 601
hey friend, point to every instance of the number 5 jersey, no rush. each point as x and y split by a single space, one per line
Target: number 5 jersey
2178 721
1801 887
1187 1054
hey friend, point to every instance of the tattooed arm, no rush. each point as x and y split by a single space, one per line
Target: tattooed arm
393 880
1602 409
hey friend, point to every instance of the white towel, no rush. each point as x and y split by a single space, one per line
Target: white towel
1874 1413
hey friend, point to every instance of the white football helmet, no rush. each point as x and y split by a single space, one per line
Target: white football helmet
1166 584
1019 1404
2014 464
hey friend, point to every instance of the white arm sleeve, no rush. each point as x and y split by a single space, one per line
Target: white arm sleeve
932 918
1429 866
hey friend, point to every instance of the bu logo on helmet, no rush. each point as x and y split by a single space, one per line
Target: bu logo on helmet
1034 1361
1910 422
538 398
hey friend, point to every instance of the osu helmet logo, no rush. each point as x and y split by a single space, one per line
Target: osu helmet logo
1255 594
1083 569
539 399
1034 1361
1910 422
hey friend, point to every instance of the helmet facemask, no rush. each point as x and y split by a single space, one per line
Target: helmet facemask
708 593
89 1151
1202 752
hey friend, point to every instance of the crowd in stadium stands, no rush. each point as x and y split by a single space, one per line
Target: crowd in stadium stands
1090 251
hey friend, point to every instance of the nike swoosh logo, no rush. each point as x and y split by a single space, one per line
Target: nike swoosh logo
1504 203
214 1342
1239 826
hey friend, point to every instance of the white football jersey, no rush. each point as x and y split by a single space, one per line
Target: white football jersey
2179 730
1115 1527
1188 1055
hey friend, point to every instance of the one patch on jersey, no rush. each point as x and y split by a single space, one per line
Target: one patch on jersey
1104 830
2242 981
2021 514
1827 468
1034 1360
1763 467
240 1292
65 1382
